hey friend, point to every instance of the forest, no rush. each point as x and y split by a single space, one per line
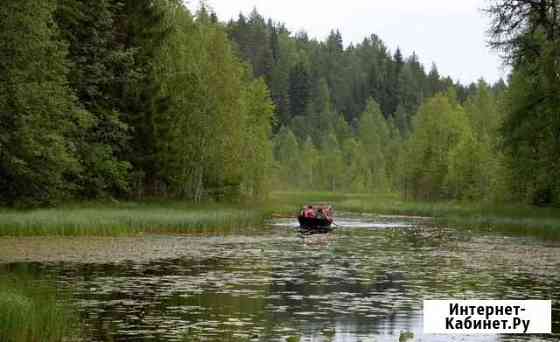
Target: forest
133 99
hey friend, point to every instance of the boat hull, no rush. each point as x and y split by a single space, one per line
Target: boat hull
314 223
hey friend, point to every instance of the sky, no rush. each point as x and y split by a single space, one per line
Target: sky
449 33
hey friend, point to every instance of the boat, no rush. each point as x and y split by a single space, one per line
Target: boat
316 217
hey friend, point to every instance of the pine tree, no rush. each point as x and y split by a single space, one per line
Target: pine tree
98 69
280 79
399 62
433 82
141 28
300 89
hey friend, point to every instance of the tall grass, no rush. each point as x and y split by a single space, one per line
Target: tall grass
30 312
127 219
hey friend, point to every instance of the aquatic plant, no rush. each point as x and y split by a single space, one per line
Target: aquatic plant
127 219
30 311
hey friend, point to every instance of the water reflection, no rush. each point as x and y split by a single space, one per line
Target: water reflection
364 281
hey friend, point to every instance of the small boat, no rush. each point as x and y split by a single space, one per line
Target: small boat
316 217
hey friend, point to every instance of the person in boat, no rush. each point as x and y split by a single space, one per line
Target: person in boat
328 213
309 212
321 214
324 213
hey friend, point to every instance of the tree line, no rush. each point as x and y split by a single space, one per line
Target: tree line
452 152
360 118
126 98
137 98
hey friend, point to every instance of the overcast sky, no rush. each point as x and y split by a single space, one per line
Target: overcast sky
451 33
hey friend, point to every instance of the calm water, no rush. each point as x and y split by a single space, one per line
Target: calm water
363 282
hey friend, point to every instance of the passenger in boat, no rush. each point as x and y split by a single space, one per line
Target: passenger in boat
329 213
320 214
309 212
324 213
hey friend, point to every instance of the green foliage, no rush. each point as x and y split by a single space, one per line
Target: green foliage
527 33
530 140
357 171
330 164
97 62
286 155
342 130
482 109
280 78
256 158
393 151
39 115
301 68
116 98
401 122
482 147
374 135
469 171
309 160
198 135
30 311
453 152
300 89
439 126
130 218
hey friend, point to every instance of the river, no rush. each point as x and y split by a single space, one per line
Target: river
363 282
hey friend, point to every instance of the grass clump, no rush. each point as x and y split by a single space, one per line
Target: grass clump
30 312
127 219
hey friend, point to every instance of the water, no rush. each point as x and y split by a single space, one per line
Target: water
363 282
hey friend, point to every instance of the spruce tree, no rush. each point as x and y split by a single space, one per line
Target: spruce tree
39 114
99 67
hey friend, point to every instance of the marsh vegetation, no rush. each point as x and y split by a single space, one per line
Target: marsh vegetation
128 218
33 310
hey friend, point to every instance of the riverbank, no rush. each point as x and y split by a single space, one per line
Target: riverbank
505 218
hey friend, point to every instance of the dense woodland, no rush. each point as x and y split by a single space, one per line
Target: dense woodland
142 98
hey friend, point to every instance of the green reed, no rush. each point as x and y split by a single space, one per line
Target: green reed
127 219
30 311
